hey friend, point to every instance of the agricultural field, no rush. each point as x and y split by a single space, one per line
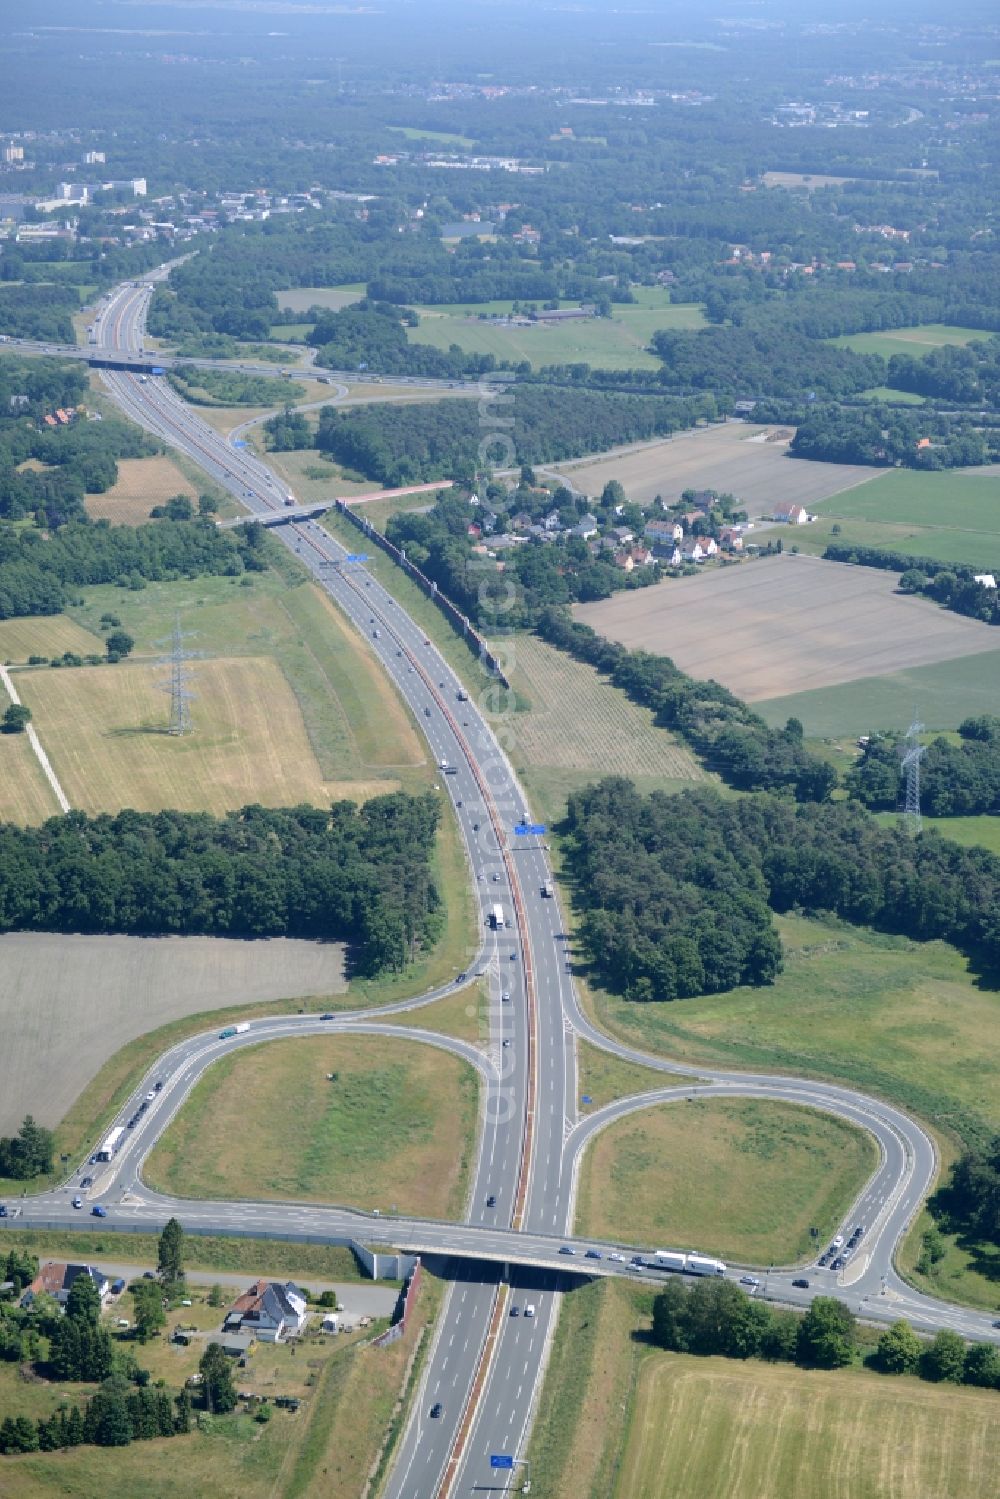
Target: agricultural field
618 342
809 180
748 461
905 1020
800 623
779 1169
911 341
332 298
25 794
357 726
69 1003
142 483
377 1122
105 731
579 727
893 397
708 1428
944 694
952 516
46 635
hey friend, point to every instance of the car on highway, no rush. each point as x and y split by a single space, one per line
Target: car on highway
491 1201
98 1212
328 1015
437 1410
158 1085
86 1181
618 1258
150 1096
567 1249
505 996
801 1283
78 1202
3 1210
506 1042
529 1310
749 1280
515 1311
838 1263
592 1254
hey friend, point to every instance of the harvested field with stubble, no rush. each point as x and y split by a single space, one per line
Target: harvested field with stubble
68 1003
712 1428
733 458
105 731
787 624
45 635
142 483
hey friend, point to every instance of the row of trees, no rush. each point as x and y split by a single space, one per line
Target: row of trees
730 738
716 1317
357 874
675 890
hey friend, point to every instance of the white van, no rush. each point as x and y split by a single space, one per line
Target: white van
529 1310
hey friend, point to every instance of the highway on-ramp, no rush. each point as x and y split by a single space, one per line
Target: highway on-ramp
484 1366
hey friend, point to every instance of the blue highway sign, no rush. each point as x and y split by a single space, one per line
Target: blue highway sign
357 556
500 1460
529 828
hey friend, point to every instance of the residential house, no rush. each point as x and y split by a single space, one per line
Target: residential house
474 530
689 517
551 522
586 526
731 538
693 551
789 513
642 556
709 546
56 1279
521 521
623 534
703 499
656 531
270 1309
624 561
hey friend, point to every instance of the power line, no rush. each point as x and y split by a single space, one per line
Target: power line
178 684
911 765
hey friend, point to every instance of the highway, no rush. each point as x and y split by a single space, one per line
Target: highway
532 1137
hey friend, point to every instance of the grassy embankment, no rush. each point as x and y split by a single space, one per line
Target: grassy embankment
377 1122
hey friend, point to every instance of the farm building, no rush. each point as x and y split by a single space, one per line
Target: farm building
56 1279
790 513
269 1309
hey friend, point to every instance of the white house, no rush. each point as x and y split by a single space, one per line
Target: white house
985 580
790 513
270 1310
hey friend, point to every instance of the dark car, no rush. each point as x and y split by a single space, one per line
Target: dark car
566 1249
491 1201
803 1285
86 1181
437 1410
3 1210
327 1016
592 1254
98 1212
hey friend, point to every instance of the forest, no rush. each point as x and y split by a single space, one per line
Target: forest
893 436
395 445
359 875
372 336
676 892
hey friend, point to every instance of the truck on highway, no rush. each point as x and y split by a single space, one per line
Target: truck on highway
234 1030
547 890
496 918
111 1144
680 1263
667 1259
701 1264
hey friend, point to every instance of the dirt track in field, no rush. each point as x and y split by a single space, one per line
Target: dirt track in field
786 624
731 459
68 1003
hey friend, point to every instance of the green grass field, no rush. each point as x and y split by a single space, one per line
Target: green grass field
433 137
943 693
333 298
395 1127
893 397
203 1255
951 500
777 1168
899 1018
602 1077
618 342
913 341
715 1428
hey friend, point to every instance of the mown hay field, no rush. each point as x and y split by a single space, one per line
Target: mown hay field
779 1170
105 732
142 483
377 1122
787 624
46 635
714 1429
25 794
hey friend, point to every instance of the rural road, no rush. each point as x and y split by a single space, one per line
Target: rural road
484 1366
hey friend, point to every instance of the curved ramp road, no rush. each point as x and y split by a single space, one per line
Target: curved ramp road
484 1366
